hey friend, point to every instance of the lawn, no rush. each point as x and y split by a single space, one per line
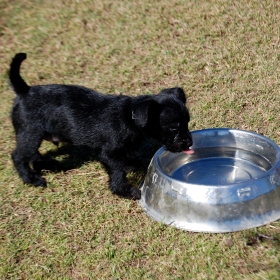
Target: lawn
224 53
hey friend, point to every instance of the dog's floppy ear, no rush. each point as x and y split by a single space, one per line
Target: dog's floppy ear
140 111
178 92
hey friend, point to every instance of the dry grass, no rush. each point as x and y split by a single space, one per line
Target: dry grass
226 56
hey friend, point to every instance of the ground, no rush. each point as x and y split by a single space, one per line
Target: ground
225 54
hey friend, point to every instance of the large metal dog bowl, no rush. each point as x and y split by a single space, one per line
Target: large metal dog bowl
230 183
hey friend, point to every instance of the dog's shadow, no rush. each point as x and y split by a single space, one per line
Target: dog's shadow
68 157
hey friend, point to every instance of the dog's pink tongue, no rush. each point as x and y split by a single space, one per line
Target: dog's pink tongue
189 152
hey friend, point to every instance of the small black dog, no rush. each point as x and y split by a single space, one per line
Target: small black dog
111 124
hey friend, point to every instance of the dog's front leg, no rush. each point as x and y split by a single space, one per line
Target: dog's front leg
118 181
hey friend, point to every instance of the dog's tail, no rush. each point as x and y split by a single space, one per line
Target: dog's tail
19 85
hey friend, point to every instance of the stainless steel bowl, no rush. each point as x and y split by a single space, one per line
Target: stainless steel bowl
230 183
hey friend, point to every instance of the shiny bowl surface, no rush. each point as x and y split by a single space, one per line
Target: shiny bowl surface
230 183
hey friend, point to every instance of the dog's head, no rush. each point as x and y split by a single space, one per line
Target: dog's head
165 117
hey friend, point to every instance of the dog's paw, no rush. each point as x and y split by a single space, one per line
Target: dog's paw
37 181
135 193
128 192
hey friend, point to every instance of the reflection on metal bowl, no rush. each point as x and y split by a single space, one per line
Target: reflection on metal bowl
230 183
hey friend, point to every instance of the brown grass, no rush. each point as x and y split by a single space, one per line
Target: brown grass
225 54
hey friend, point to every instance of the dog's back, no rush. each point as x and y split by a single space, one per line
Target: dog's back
60 110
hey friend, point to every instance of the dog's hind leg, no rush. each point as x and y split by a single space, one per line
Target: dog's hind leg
25 153
118 181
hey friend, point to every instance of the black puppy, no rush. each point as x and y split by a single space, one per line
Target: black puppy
111 124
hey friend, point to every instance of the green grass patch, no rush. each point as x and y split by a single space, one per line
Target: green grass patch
225 54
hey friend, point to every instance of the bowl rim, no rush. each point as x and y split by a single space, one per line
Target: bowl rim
264 175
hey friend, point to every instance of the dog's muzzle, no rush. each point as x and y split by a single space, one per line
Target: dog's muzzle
179 145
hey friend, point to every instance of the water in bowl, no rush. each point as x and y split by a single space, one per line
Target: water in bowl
221 166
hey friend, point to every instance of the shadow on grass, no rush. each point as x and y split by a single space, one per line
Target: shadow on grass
68 157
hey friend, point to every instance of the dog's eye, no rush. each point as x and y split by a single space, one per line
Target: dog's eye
173 129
